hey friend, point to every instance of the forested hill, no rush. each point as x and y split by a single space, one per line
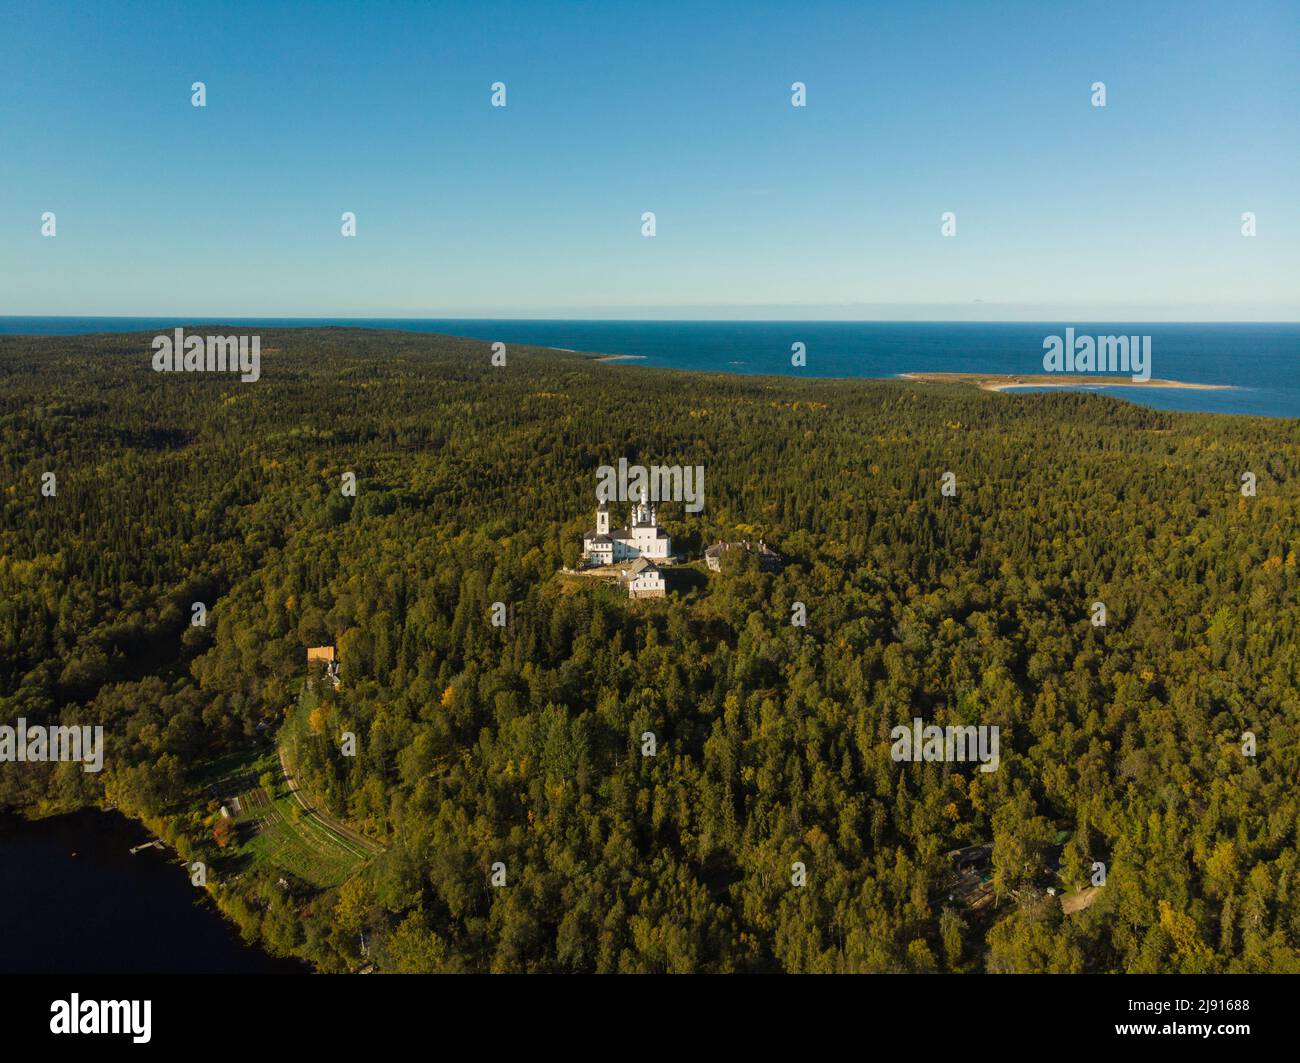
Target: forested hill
522 746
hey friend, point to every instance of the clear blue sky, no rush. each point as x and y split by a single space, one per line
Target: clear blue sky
764 210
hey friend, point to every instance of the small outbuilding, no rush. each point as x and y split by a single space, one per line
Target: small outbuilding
643 579
768 559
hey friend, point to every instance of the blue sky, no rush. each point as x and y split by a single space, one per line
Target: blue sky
1129 212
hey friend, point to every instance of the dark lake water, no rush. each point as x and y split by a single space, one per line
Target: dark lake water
104 911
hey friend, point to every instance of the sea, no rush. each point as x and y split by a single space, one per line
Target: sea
1261 362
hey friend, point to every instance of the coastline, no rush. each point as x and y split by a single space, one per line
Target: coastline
100 841
1008 381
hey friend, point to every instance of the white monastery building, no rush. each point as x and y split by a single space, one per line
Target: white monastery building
641 537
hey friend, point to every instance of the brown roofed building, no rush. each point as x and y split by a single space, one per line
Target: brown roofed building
768 559
324 655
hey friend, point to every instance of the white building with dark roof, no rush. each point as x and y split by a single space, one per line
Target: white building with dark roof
643 579
640 537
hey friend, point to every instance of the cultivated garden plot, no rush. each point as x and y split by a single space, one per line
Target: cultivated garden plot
274 827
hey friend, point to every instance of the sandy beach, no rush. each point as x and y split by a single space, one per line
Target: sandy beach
1003 381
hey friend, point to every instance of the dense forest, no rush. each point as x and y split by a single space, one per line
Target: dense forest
502 770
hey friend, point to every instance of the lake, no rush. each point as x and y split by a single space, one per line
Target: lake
73 900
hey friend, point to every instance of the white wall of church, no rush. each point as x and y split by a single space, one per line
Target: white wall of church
642 539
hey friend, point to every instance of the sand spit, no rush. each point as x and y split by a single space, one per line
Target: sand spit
1003 381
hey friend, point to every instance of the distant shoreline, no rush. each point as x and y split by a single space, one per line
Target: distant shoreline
615 357
1005 381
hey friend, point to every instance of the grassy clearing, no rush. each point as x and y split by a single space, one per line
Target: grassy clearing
273 827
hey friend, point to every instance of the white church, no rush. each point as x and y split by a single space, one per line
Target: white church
641 537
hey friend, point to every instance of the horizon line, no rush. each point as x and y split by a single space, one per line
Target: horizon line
224 318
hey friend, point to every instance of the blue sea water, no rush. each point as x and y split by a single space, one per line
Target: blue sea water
1260 361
